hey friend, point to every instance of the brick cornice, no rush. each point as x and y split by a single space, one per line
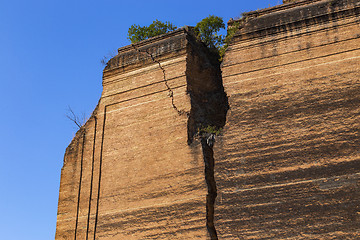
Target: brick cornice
302 13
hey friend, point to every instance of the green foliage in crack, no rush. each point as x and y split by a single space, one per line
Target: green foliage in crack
229 36
209 129
207 31
137 33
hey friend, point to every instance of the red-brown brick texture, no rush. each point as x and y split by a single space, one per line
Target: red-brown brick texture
136 170
288 164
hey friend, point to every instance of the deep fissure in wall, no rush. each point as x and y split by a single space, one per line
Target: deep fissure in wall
209 161
209 106
135 105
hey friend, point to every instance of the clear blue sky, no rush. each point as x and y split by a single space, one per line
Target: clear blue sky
50 52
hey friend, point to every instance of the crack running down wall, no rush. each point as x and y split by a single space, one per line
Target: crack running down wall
286 165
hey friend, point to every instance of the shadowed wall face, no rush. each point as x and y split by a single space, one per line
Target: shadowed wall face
289 162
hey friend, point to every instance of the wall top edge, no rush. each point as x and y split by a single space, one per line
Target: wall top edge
141 53
156 39
274 9
299 13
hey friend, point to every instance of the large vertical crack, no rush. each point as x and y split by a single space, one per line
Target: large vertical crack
209 106
208 155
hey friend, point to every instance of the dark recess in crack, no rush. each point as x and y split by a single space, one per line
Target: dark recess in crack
209 106
209 102
208 155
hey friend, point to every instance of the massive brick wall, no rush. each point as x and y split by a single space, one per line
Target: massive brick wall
288 164
129 172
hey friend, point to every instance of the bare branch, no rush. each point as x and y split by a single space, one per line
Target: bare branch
74 118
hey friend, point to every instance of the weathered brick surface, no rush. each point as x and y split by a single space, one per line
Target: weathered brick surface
133 174
288 164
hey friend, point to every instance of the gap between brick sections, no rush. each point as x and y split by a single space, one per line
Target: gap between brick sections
208 108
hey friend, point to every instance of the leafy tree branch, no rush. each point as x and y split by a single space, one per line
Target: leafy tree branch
138 33
207 31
